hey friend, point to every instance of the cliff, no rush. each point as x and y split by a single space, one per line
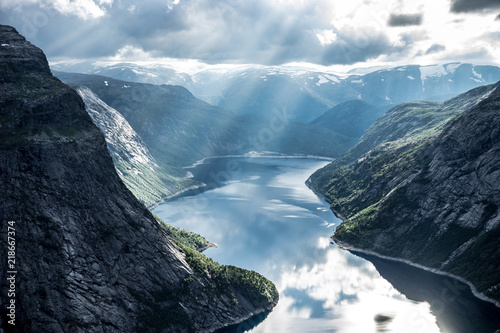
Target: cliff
89 257
149 179
429 193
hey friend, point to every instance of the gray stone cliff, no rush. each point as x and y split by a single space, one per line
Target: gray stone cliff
430 199
89 256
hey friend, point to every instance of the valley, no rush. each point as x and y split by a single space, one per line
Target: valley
378 150
181 195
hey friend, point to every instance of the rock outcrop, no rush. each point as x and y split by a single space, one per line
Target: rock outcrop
430 199
89 257
148 179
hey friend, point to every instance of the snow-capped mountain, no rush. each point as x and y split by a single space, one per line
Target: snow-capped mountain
301 93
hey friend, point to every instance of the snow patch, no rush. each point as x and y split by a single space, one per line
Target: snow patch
451 68
332 78
135 71
476 74
5 45
322 80
360 81
106 83
432 71
410 77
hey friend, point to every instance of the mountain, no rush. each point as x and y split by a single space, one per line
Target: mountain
169 119
350 118
85 254
139 170
180 128
153 131
408 122
153 177
428 192
304 94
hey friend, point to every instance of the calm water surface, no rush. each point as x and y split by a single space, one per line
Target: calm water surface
264 218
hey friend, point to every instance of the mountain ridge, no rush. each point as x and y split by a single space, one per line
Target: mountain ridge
179 130
428 199
306 93
89 256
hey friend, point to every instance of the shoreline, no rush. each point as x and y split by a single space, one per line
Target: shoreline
349 247
261 155
481 296
174 195
248 155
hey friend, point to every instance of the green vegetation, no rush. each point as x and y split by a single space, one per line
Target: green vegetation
210 282
150 183
256 288
184 237
410 187
354 187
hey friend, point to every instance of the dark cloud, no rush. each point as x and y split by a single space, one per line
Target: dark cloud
224 31
461 6
435 48
497 18
402 20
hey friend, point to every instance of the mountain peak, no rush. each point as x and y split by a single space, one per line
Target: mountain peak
36 106
23 57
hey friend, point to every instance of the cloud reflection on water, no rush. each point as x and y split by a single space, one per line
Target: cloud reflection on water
346 293
270 222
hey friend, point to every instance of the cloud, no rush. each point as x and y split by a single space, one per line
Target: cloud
269 32
461 6
435 48
131 53
85 9
326 37
403 20
497 18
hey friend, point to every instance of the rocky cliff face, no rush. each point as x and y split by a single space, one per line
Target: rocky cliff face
89 257
433 200
180 129
149 180
177 130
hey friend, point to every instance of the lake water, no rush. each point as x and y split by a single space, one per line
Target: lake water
264 218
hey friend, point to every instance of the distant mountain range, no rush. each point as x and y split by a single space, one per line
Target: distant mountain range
423 185
153 131
350 118
255 108
304 94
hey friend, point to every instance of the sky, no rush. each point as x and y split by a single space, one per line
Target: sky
328 33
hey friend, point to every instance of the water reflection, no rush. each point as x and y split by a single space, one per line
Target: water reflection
451 301
265 219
